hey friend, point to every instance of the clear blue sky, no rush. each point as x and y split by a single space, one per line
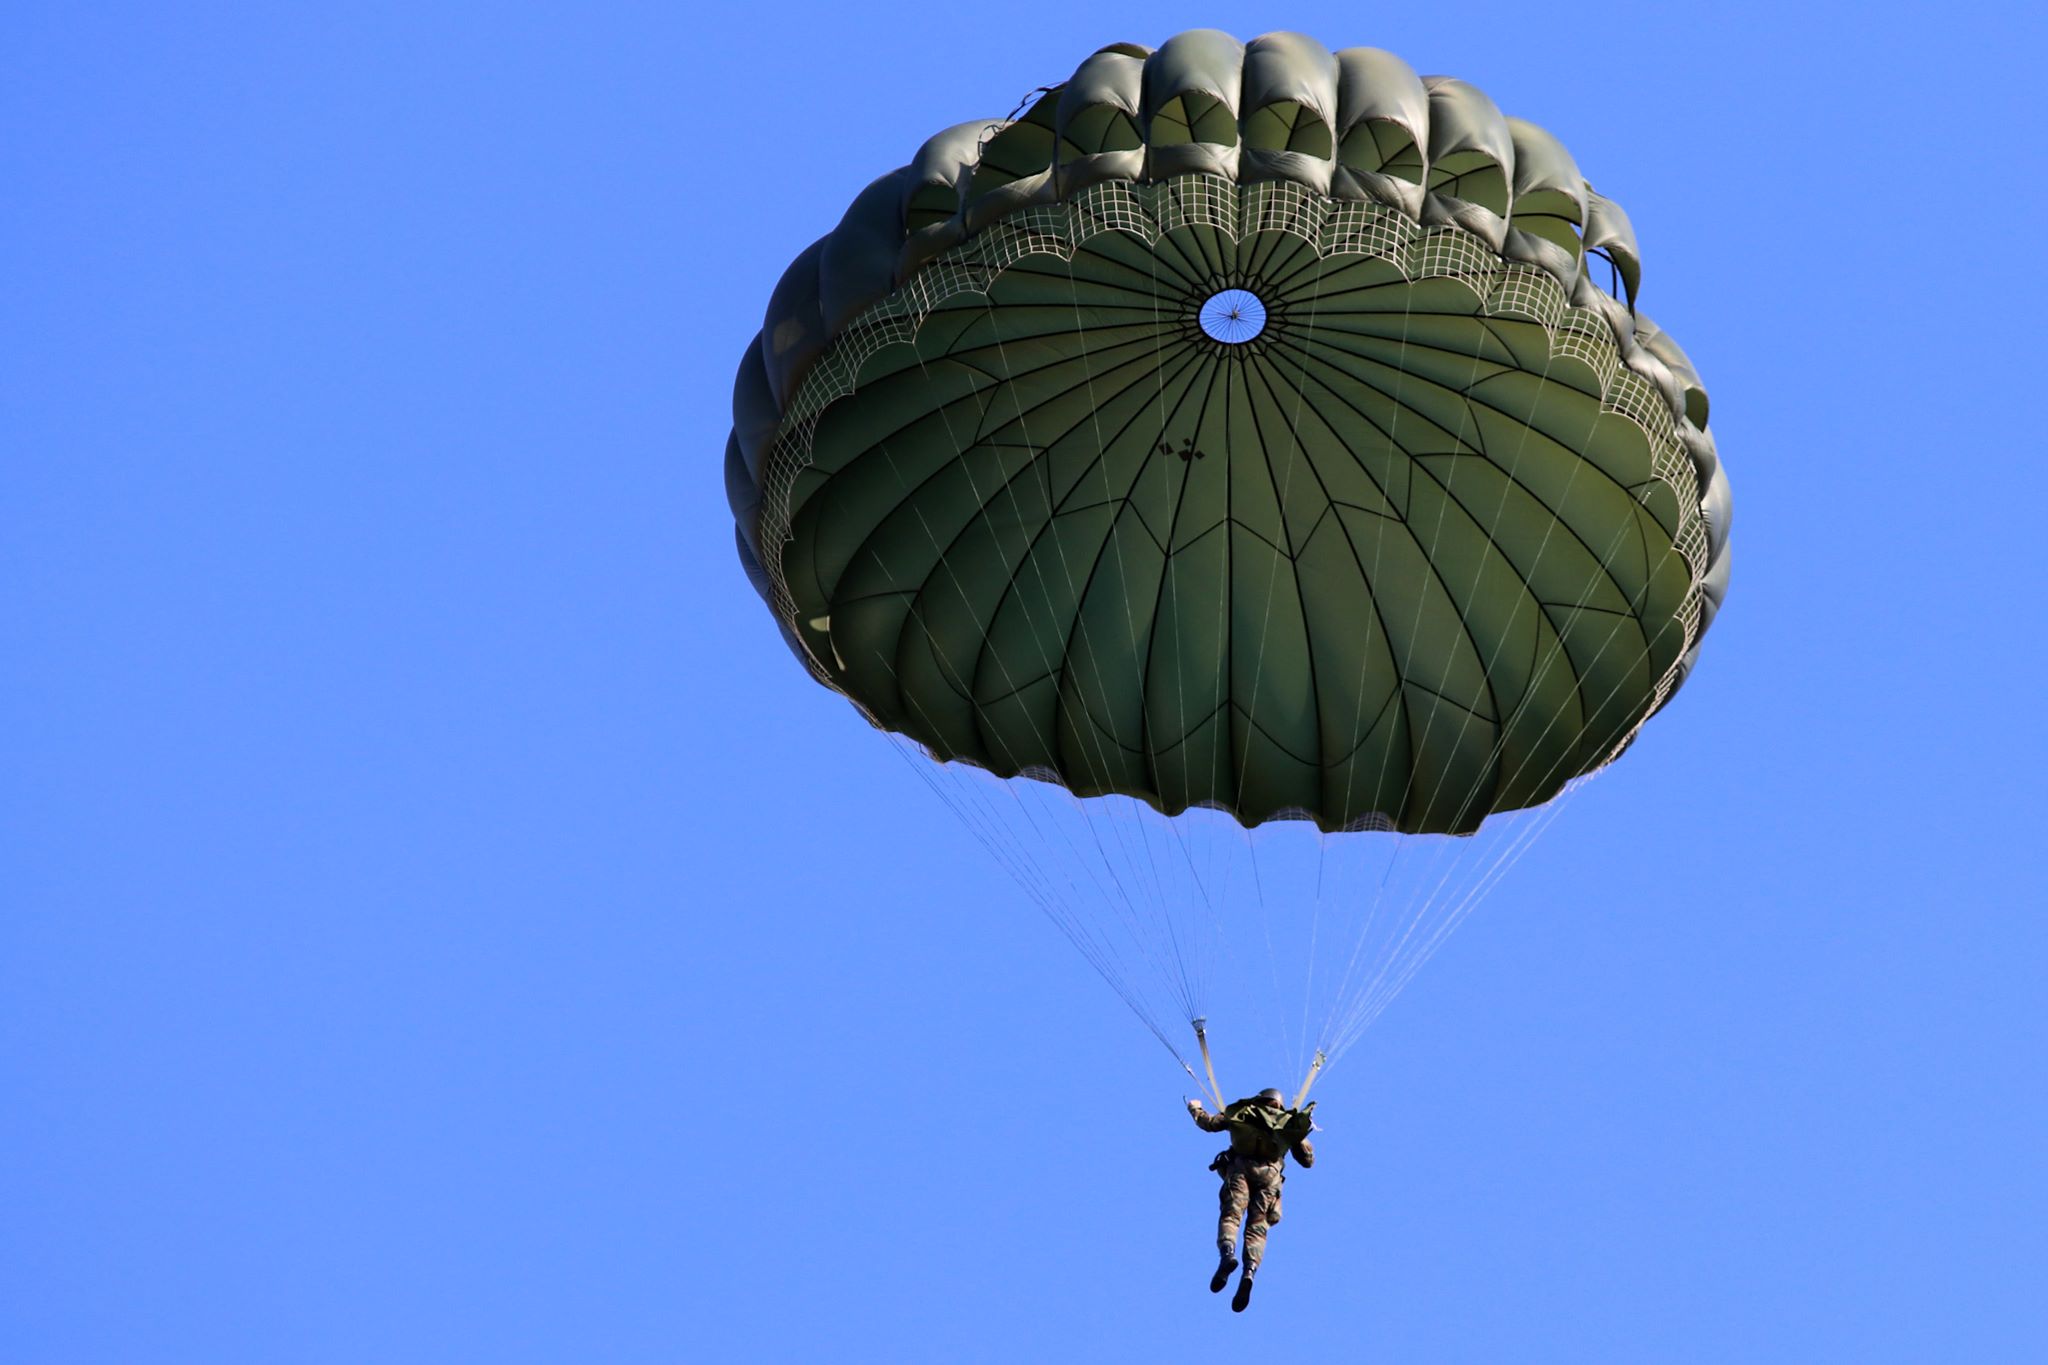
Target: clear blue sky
439 923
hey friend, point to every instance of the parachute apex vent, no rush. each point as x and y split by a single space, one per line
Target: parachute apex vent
1233 316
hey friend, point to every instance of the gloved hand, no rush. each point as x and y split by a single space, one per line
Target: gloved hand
1195 1106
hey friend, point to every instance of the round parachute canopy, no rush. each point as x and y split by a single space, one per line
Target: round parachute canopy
1244 425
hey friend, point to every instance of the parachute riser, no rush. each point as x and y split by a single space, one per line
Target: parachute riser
1202 1037
1314 1069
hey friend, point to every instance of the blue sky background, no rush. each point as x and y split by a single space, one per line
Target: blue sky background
442 924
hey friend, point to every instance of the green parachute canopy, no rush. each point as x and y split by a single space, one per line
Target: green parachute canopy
1246 425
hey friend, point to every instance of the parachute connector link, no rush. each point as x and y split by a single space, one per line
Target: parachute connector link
1314 1068
1202 1037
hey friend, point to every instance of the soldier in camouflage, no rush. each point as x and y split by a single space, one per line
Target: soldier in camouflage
1263 1130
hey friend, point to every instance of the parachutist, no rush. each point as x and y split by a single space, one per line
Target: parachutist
925 519
1263 1132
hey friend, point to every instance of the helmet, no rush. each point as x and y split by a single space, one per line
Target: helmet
1273 1098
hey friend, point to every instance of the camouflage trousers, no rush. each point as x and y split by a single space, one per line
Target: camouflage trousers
1250 1197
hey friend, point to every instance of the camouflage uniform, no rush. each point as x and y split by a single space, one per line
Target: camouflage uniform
1253 1168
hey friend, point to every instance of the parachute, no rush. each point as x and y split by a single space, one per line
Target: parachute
1244 487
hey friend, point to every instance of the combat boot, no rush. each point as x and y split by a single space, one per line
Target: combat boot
1243 1296
1222 1275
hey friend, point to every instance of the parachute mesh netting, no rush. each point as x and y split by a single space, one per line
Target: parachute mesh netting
1238 436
